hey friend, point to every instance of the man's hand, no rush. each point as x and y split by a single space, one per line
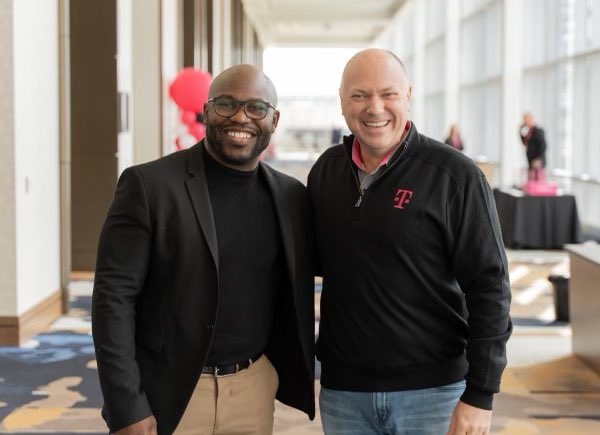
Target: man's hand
468 420
146 426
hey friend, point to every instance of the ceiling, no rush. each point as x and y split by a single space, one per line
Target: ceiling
323 23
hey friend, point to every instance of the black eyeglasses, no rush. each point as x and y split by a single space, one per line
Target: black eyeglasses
254 109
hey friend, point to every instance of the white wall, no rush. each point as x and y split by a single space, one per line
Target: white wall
125 83
36 126
171 63
8 299
146 82
139 63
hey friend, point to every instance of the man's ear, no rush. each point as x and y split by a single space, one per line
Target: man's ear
205 112
275 120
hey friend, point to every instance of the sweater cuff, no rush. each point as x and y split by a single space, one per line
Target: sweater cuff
477 398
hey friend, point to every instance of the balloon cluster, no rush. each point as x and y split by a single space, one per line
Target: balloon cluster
189 90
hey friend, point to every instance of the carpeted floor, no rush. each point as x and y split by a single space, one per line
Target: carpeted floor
50 385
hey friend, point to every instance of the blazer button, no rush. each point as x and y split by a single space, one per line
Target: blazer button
210 326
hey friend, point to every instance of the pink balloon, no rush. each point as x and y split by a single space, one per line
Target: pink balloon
189 90
188 117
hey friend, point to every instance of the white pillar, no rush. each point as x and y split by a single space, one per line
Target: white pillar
451 64
419 64
225 28
248 42
146 101
217 39
171 62
511 154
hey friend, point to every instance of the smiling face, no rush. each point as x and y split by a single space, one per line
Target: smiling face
237 141
375 96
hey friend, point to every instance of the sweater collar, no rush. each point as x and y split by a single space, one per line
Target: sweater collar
408 146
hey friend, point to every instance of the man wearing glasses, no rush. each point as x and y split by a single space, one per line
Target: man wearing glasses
203 297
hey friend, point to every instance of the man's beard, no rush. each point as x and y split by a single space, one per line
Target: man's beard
262 143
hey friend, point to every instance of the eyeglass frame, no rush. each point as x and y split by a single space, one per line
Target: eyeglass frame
242 103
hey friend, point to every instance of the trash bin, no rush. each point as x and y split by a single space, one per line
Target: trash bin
560 284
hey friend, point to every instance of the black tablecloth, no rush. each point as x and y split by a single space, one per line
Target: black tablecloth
541 222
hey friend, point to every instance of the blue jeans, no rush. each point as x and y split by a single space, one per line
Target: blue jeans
412 412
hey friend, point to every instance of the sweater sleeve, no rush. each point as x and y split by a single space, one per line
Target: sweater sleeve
122 262
480 266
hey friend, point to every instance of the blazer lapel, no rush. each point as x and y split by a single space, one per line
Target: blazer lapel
284 219
197 188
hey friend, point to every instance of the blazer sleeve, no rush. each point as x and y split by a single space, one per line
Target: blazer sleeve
122 263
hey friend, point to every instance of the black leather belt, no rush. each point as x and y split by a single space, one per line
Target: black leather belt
229 369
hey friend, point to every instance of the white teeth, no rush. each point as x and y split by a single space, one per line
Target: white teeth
376 124
239 134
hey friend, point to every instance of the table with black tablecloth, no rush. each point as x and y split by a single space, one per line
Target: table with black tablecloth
538 222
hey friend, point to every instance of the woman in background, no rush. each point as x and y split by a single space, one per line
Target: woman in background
454 139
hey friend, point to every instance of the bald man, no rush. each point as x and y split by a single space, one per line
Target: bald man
203 296
415 299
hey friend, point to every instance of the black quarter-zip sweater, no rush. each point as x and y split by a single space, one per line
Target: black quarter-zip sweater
415 279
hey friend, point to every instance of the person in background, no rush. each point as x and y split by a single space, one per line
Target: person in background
416 296
534 142
203 302
454 139
336 134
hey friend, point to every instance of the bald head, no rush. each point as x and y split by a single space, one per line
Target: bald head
528 119
375 96
373 58
238 125
248 79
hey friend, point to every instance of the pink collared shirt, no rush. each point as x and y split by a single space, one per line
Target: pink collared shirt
357 159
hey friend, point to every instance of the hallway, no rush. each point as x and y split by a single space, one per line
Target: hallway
85 93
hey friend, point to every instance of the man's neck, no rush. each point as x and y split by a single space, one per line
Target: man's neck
372 161
372 158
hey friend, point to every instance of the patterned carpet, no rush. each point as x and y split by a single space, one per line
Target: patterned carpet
50 384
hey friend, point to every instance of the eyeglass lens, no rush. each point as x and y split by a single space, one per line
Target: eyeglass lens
254 109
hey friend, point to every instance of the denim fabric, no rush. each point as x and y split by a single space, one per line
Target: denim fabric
412 412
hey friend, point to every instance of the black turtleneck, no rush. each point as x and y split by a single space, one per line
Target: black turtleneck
250 261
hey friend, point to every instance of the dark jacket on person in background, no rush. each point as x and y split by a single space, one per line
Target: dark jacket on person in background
535 141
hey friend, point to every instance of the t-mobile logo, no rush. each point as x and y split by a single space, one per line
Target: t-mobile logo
402 198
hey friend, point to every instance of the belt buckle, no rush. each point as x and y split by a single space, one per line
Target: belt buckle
218 375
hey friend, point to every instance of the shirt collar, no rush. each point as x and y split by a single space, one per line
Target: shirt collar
357 159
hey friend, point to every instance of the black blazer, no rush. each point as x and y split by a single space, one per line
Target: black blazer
156 291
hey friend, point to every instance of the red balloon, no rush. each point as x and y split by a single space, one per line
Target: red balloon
197 130
188 117
189 90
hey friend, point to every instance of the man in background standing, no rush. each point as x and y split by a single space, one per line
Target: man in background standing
534 141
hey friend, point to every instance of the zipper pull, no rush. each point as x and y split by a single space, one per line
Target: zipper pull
358 202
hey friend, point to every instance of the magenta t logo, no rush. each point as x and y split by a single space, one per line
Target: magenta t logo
402 198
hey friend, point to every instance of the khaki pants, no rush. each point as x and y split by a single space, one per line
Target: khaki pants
242 403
